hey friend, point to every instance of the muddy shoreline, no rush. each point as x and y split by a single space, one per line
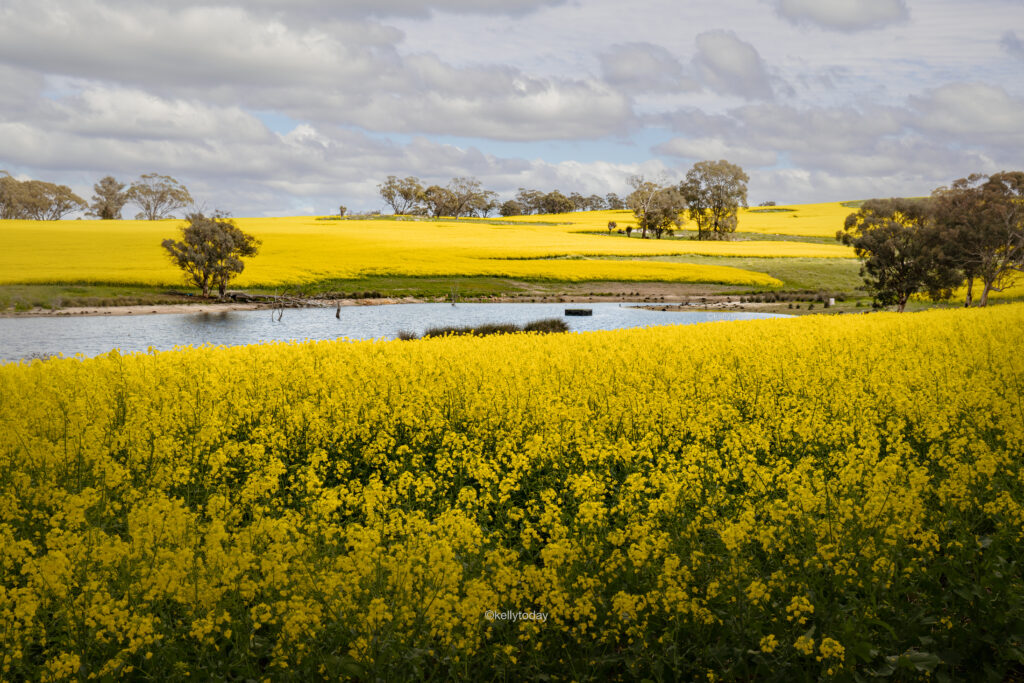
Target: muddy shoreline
664 303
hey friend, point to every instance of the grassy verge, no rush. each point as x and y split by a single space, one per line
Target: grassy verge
736 236
796 273
20 297
54 296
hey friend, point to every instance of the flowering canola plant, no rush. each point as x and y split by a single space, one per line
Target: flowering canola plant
778 499
303 249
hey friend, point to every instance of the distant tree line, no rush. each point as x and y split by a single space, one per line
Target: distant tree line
529 202
972 230
36 199
158 196
710 195
464 197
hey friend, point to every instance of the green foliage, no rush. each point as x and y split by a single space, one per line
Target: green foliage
981 221
461 197
901 250
403 195
546 325
36 199
158 196
714 191
109 199
211 251
656 207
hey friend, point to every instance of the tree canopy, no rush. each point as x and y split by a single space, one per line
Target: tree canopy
159 196
403 195
210 251
655 206
901 249
463 196
982 223
714 191
36 199
109 199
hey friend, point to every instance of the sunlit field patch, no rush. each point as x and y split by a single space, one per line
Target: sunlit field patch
304 249
765 500
800 220
804 220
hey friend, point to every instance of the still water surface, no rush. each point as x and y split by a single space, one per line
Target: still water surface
93 335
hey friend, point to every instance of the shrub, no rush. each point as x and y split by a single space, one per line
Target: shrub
547 325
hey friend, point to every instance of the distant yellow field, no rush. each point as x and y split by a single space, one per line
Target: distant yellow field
801 220
804 220
304 249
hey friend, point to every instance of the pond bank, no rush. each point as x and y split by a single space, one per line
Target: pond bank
662 303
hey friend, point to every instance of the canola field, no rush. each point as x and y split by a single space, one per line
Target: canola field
298 250
765 500
798 220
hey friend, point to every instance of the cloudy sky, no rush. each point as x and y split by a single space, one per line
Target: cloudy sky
281 107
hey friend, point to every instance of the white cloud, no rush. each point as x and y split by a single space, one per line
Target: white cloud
643 67
137 115
844 15
379 8
538 93
729 65
350 75
974 112
714 148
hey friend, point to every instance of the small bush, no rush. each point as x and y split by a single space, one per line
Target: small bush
547 325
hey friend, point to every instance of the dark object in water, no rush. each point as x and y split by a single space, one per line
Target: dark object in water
579 311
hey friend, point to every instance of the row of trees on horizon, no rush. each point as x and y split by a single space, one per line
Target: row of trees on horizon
464 197
710 195
157 196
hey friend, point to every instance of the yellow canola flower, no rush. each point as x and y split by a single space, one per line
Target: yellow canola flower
303 249
804 645
488 506
768 644
831 649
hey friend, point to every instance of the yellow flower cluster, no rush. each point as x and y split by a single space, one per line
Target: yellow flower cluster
744 499
302 249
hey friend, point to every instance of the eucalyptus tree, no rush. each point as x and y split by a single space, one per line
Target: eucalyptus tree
902 251
403 195
981 218
109 199
210 251
656 207
714 192
159 196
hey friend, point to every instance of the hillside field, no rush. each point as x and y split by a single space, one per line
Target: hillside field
301 250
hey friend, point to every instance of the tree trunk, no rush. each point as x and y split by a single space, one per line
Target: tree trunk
902 303
970 288
984 294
